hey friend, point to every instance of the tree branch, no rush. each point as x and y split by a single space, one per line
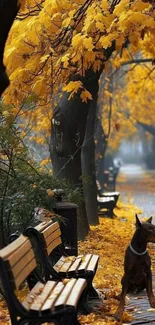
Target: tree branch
137 61
148 128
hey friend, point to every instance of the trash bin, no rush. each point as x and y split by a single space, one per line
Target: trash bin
69 227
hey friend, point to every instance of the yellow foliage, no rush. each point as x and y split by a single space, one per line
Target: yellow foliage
85 95
88 44
73 87
54 44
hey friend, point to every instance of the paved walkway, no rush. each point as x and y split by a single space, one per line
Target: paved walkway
137 186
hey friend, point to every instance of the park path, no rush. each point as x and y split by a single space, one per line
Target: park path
137 186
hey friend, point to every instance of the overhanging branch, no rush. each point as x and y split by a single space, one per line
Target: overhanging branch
137 61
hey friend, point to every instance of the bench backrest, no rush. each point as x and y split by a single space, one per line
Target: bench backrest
18 261
51 235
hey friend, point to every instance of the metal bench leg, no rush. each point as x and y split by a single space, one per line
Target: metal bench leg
69 319
92 293
75 321
83 307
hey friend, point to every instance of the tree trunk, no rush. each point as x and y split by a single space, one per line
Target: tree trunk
8 12
67 135
149 157
88 167
68 125
100 149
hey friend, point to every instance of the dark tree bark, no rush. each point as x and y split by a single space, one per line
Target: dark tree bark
67 135
149 149
88 167
8 12
101 146
68 131
66 140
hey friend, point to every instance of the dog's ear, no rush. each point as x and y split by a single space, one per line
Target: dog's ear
138 223
149 220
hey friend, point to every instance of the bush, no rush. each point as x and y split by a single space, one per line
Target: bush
23 187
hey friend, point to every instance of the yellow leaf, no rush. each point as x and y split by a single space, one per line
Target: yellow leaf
44 58
140 5
65 60
67 22
119 42
73 86
37 88
88 44
45 162
105 41
77 40
85 95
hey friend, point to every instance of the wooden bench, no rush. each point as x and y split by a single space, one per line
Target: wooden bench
115 195
52 301
108 203
48 238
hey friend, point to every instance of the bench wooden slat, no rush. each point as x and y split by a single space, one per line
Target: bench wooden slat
76 293
92 264
49 304
105 199
6 251
41 298
22 263
32 295
17 255
59 263
53 245
43 225
110 193
52 237
50 229
84 264
24 274
61 301
75 265
65 267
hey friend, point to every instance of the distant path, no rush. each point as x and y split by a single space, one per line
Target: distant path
137 185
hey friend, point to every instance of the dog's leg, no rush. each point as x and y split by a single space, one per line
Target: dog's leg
119 311
149 288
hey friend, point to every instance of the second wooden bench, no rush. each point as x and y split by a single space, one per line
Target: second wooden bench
48 238
52 301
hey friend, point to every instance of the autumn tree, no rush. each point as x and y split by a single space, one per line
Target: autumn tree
61 51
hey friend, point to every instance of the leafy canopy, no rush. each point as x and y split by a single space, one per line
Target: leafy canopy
58 39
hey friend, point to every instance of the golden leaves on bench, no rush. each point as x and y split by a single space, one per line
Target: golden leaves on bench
65 281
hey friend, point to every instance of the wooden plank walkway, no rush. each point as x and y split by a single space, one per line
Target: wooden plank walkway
139 307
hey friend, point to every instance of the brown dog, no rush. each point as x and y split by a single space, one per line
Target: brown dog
137 265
